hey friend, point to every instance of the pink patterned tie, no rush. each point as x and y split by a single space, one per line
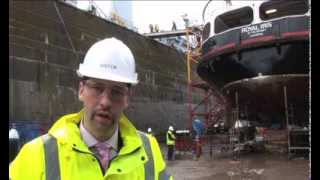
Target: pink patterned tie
104 153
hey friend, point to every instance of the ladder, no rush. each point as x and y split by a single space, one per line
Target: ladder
234 136
295 133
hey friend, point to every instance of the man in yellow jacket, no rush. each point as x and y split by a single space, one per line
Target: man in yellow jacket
99 142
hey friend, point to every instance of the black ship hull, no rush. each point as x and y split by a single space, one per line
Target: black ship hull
270 48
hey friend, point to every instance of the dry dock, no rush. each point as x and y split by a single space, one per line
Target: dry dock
256 166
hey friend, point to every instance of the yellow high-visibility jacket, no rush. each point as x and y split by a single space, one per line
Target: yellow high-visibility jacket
171 138
76 161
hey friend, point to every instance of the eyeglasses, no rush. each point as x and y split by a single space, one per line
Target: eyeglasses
115 92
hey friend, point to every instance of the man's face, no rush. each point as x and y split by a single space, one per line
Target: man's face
103 101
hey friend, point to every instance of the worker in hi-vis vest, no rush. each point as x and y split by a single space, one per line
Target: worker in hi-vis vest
14 142
149 131
170 143
99 142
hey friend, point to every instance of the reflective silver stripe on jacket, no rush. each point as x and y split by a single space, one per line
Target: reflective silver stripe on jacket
51 157
149 166
163 175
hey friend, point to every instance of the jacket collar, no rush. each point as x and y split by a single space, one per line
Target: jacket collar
129 135
66 131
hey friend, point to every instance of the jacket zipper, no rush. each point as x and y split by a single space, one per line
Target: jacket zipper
101 168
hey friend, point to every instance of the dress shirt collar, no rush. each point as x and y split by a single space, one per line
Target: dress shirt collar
90 140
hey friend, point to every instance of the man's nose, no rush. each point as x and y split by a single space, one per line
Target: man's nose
105 99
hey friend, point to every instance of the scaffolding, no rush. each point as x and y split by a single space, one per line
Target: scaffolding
298 136
211 113
193 55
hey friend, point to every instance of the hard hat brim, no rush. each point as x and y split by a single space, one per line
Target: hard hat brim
104 76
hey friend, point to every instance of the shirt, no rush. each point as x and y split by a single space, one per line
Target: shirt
91 140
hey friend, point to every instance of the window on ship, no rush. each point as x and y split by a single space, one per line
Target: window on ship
234 18
279 8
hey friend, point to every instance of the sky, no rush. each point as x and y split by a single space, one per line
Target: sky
162 13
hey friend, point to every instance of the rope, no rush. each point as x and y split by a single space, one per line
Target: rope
64 27
100 11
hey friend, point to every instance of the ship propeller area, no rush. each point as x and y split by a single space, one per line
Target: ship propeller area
271 99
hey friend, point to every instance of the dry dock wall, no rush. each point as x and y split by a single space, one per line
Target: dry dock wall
42 81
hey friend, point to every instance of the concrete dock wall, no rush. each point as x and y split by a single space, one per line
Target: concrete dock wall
42 80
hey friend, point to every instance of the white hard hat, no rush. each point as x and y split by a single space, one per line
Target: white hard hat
170 128
149 130
13 134
109 59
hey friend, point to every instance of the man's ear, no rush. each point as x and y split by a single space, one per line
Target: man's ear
126 103
127 99
81 89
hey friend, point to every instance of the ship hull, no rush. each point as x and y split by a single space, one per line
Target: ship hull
282 48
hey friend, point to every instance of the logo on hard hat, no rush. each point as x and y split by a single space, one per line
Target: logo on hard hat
108 66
